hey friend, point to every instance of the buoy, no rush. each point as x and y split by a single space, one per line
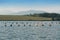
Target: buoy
42 24
16 22
5 25
24 25
11 25
50 25
18 25
29 25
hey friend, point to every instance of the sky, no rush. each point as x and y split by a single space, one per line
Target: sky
12 6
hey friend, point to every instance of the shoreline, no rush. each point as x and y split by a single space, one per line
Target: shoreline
24 18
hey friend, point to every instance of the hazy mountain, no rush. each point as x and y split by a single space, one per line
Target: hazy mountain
22 12
29 12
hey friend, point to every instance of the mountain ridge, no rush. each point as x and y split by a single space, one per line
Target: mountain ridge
24 12
31 12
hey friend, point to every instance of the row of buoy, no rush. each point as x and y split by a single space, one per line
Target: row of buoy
29 24
26 25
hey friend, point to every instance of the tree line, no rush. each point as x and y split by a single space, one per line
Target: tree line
54 16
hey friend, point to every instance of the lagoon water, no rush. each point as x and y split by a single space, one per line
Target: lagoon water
29 30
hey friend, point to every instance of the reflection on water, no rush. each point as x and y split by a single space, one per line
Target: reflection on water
29 30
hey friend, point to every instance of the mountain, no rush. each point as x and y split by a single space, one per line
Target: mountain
22 12
29 12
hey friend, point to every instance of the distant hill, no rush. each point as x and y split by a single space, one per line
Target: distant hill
29 12
54 16
21 12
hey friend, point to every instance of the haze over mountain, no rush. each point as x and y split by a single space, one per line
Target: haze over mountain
22 12
30 12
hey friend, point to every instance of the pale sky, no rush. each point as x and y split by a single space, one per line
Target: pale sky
12 6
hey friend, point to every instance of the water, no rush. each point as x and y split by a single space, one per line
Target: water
29 30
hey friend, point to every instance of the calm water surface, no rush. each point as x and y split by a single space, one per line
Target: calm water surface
29 30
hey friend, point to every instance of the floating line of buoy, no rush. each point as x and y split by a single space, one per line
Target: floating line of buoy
29 24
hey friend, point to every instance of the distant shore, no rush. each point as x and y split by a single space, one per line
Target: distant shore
22 18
